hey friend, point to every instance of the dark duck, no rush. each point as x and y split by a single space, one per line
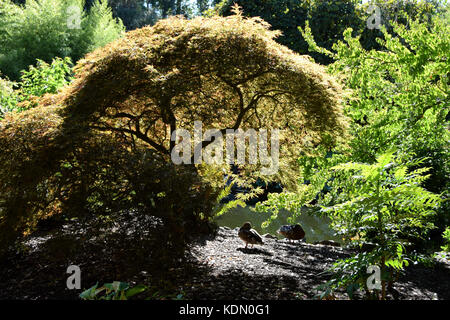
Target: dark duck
249 235
292 232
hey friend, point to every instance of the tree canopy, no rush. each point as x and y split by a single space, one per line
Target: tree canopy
127 98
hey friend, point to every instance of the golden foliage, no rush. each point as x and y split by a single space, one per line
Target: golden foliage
226 72
128 96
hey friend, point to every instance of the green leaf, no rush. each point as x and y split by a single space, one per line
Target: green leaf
90 293
351 289
135 290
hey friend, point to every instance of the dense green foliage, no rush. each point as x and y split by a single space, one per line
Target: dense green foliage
446 236
46 29
398 100
45 78
8 97
394 11
400 97
386 208
329 18
385 199
35 82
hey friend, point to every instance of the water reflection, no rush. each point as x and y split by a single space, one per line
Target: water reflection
316 228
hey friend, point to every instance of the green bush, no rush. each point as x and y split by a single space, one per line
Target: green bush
45 29
397 100
446 237
35 82
8 97
45 78
386 204
386 210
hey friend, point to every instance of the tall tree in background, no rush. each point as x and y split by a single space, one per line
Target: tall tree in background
395 11
331 18
138 13
47 29
203 5
283 15
133 13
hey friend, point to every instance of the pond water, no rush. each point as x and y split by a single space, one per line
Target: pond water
316 228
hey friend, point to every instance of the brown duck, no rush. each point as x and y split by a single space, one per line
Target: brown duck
249 235
292 232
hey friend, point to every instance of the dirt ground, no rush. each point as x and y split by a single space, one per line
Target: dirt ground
216 267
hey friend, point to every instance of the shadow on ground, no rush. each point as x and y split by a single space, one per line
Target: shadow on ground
215 267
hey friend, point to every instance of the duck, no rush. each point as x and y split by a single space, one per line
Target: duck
249 235
292 232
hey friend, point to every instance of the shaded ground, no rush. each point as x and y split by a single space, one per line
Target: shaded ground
217 267
280 270
277 270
